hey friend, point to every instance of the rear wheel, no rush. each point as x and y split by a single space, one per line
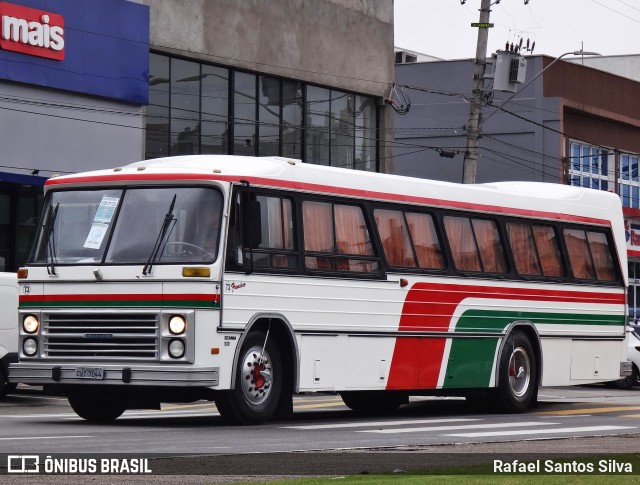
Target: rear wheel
258 383
518 375
373 402
97 406
626 382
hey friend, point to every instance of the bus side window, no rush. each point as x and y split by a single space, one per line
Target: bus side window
395 238
475 244
409 239
276 248
535 250
425 241
590 255
601 253
579 257
318 234
339 233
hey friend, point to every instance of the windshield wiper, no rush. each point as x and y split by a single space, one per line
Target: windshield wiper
48 228
168 218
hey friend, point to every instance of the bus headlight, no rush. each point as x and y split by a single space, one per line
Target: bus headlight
30 347
176 348
177 325
30 324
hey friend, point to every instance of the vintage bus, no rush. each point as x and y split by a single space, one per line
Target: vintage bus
245 280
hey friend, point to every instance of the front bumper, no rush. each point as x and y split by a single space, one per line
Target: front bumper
36 373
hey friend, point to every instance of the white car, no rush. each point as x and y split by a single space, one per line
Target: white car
633 354
8 328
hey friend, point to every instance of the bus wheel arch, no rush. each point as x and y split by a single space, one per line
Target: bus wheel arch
518 368
261 389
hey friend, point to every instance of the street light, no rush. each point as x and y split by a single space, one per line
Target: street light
574 53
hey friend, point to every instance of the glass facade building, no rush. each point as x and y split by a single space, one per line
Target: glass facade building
197 108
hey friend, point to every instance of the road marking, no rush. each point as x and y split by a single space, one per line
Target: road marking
319 405
540 431
39 398
451 428
187 413
378 423
568 412
44 438
187 406
51 415
299 400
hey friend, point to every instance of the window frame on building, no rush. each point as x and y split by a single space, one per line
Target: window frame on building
342 133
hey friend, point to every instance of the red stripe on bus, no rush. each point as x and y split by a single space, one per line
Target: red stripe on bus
430 307
122 297
328 189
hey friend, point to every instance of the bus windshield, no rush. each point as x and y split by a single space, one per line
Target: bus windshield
152 225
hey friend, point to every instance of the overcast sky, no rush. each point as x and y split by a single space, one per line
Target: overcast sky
441 28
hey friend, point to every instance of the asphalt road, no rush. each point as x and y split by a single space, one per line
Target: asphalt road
323 437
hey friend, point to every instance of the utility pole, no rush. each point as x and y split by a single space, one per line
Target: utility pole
473 128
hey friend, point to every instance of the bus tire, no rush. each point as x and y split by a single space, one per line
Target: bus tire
97 407
625 383
5 386
258 383
518 374
373 402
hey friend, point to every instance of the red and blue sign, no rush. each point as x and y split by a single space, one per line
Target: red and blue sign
93 47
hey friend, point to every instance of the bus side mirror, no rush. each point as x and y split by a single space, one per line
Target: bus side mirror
252 224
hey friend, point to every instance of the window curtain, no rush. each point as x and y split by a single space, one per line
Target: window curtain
272 236
395 239
462 242
523 249
602 260
318 233
579 255
352 236
489 246
548 251
425 241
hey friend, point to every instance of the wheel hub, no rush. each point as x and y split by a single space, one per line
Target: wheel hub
519 372
256 375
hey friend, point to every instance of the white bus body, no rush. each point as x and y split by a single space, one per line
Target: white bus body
319 300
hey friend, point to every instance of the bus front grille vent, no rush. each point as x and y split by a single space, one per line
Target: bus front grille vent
101 336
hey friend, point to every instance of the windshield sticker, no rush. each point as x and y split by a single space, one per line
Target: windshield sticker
101 220
106 209
96 235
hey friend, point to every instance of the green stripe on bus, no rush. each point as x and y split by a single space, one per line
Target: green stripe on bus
497 321
471 359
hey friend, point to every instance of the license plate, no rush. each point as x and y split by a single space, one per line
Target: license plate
90 372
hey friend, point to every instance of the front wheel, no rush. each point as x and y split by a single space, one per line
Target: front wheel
5 386
258 383
97 407
518 374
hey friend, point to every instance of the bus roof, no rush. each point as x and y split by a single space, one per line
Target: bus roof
528 199
521 198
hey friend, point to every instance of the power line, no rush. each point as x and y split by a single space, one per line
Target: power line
615 11
518 147
629 5
514 159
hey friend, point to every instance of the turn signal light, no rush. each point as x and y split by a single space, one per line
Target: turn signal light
198 272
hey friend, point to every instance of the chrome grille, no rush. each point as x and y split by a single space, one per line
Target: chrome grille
101 335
